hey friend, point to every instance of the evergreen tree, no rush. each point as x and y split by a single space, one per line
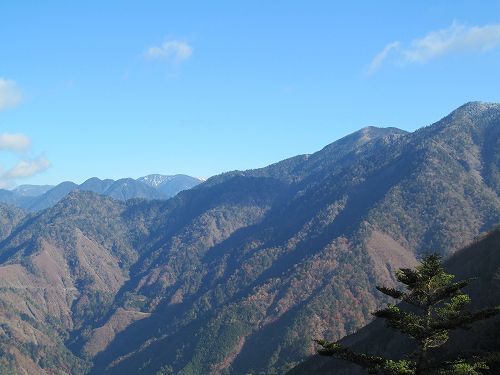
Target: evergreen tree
433 306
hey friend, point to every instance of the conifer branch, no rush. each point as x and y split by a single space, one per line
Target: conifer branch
441 307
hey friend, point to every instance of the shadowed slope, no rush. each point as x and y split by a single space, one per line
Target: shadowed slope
480 260
235 275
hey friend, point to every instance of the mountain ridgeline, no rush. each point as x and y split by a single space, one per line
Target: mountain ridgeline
156 186
238 274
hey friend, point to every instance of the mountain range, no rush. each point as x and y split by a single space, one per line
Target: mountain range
238 274
155 186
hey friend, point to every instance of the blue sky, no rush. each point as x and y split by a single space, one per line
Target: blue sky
127 88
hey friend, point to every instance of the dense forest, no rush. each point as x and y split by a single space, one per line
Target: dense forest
238 274
479 265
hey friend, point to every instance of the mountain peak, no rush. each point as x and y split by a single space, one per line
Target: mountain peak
479 105
376 131
362 136
472 115
155 180
472 109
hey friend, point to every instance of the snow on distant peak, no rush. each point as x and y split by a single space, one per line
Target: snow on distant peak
155 180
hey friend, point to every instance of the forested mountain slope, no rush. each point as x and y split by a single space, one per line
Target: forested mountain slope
239 273
481 261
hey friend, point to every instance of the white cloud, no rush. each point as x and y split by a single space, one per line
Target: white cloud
175 51
27 168
20 145
456 38
14 142
10 95
381 56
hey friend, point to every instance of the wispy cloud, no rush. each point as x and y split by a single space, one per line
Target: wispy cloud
456 38
175 51
381 56
25 166
10 95
14 142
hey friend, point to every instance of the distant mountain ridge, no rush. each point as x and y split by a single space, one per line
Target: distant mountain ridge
32 190
170 185
236 275
39 197
155 180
